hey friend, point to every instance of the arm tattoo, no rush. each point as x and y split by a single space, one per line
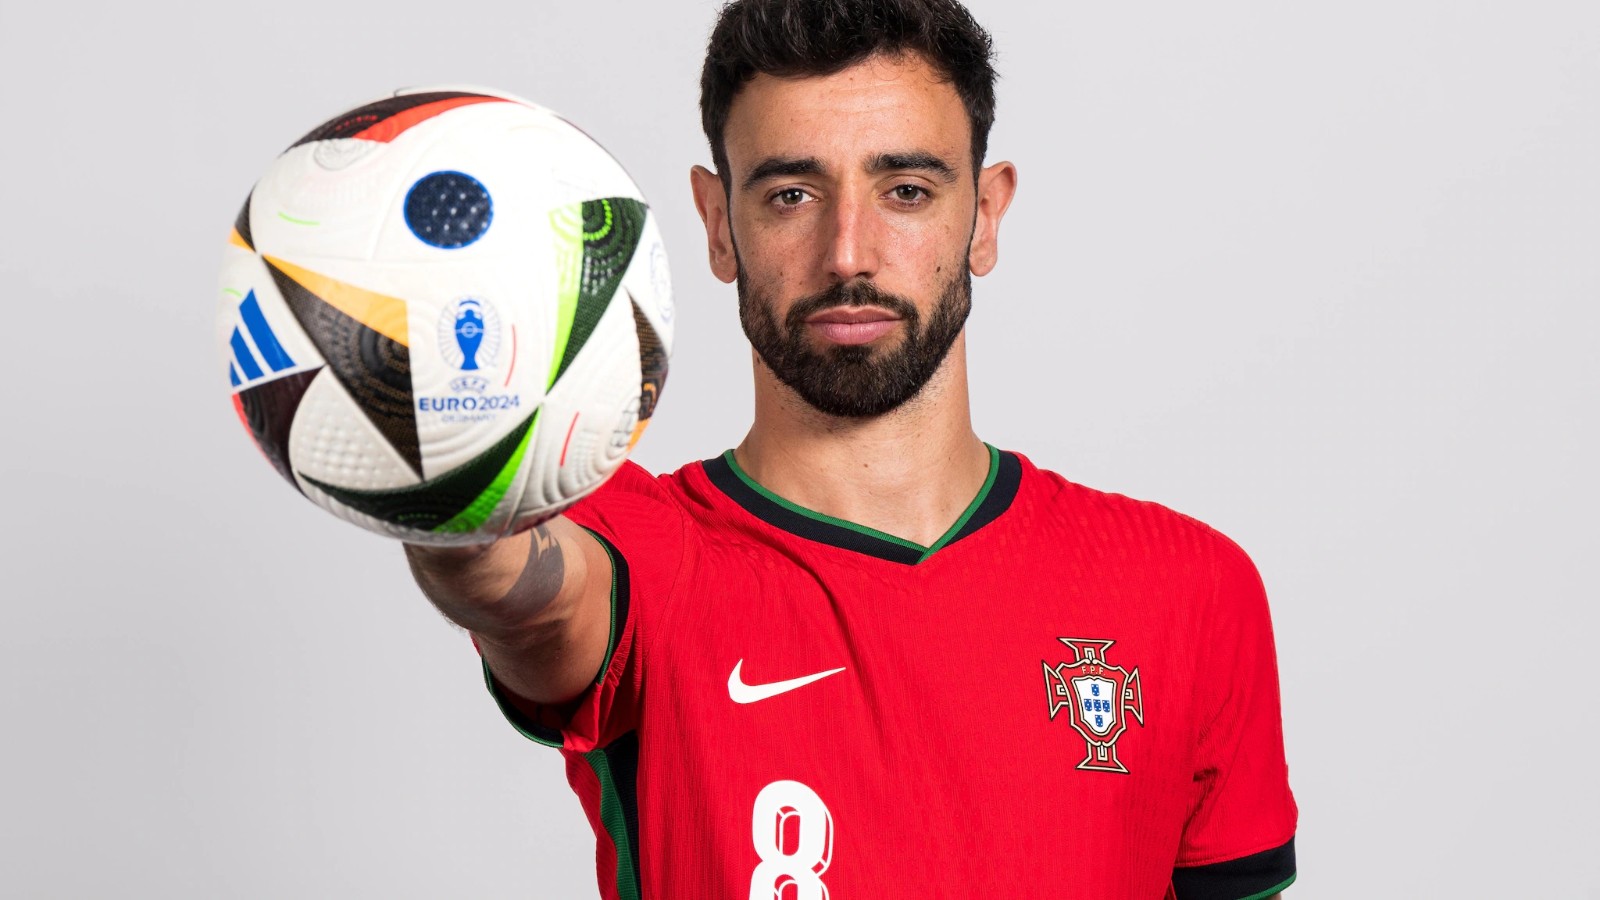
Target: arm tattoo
446 579
544 572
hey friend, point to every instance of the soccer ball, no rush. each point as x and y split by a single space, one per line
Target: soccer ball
446 315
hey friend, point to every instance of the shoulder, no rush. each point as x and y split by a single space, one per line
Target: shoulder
1126 525
640 515
633 485
629 490
634 498
1188 575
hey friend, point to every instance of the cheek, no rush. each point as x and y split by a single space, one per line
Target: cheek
770 258
764 243
763 284
924 246
784 244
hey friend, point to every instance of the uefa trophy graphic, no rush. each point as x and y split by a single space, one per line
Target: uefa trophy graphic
469 332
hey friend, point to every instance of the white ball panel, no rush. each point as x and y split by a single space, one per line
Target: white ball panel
577 167
333 442
300 207
461 412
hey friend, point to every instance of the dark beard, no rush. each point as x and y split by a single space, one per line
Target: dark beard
856 381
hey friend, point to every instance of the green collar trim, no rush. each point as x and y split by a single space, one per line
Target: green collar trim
999 487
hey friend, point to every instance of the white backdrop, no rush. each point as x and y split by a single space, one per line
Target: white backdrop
1323 275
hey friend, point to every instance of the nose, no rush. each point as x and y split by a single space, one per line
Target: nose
852 241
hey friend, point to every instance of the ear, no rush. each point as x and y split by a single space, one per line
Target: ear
711 201
997 184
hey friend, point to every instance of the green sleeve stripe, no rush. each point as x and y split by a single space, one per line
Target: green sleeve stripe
539 734
1272 890
613 818
551 737
619 586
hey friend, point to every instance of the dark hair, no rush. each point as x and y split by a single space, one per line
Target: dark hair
787 38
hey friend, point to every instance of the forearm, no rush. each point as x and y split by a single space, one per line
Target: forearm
502 591
537 603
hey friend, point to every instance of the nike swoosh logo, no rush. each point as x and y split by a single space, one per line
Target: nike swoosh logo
750 693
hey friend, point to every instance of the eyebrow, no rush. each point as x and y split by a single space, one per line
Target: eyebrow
912 161
899 161
779 166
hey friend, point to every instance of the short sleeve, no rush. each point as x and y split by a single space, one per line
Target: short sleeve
644 530
1239 839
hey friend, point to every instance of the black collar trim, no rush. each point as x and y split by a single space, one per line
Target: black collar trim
1005 476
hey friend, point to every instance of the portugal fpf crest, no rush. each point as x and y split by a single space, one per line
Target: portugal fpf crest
1097 694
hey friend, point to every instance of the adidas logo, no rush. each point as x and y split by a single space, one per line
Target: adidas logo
259 354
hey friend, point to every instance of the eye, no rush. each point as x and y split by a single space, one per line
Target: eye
909 193
790 197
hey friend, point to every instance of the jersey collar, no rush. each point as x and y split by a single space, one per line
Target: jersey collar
994 498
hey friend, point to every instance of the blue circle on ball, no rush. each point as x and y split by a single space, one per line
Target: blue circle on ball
448 210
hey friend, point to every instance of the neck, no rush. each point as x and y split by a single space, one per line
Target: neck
910 472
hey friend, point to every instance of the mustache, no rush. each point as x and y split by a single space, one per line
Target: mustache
854 294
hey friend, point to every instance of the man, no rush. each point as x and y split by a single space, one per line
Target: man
864 654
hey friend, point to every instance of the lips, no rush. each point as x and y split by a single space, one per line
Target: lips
851 315
853 324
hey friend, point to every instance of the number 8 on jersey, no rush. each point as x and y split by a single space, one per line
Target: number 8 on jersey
793 834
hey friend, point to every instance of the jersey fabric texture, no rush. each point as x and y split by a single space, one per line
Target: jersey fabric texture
1072 694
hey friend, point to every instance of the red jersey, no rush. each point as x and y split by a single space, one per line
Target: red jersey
1071 694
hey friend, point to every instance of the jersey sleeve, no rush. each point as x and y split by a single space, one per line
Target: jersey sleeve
646 533
1239 840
